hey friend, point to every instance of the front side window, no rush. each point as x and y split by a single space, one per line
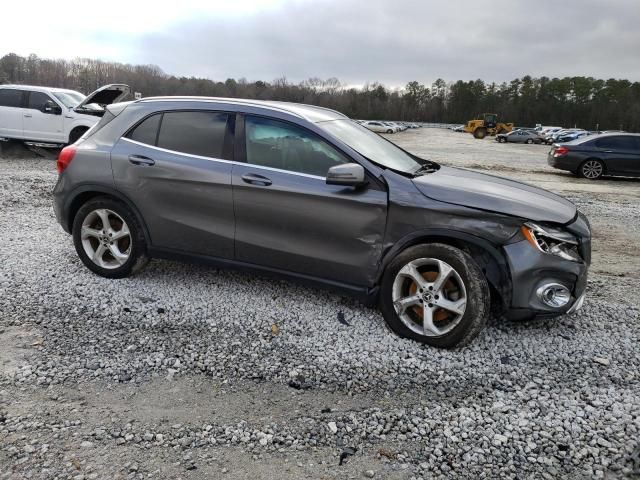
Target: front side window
276 144
195 133
10 98
37 100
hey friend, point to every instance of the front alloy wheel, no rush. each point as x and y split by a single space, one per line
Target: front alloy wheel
429 296
435 294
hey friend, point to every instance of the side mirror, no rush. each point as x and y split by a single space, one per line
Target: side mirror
347 174
52 108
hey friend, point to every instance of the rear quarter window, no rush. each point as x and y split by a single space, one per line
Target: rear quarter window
147 131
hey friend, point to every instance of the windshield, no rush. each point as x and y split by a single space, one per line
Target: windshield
371 145
69 99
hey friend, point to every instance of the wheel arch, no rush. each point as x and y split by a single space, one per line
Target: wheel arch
489 258
83 194
83 128
592 157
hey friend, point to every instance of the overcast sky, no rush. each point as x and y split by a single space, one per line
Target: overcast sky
357 41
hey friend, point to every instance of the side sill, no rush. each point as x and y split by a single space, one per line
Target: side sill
368 296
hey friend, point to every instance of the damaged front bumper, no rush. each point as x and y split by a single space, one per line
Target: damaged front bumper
536 276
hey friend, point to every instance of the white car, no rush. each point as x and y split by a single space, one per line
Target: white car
52 116
379 127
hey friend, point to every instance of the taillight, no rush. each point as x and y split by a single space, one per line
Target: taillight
561 152
64 157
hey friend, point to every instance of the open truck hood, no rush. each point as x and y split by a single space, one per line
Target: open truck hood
486 192
95 102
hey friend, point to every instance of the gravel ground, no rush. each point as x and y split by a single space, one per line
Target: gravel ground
189 372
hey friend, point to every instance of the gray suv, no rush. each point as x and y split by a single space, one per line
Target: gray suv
305 192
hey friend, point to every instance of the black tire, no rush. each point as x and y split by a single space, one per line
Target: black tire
502 140
480 133
137 247
76 133
389 131
477 308
591 169
529 141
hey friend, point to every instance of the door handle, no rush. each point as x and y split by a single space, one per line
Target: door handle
27 115
255 179
141 160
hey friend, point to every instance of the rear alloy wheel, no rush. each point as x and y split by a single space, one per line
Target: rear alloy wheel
108 238
592 169
389 131
435 294
529 141
502 140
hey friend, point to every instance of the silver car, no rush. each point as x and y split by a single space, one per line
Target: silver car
519 136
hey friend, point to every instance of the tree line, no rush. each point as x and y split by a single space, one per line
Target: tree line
570 101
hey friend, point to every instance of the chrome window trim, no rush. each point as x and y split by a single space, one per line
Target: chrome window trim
201 157
233 162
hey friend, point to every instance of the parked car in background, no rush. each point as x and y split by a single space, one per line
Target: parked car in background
305 192
52 116
546 133
519 136
459 129
594 156
570 136
378 127
553 137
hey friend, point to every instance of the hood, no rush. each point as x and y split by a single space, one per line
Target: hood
486 192
104 96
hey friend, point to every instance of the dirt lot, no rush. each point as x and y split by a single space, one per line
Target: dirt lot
189 372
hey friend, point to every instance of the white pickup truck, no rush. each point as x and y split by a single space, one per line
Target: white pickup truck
47 116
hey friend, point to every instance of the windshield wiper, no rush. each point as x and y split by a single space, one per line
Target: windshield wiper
425 168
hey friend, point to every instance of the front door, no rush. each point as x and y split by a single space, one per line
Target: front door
176 168
288 218
621 154
40 125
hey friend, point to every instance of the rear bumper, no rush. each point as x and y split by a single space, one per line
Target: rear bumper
59 204
562 163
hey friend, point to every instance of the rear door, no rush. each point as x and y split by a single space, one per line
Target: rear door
620 153
288 218
176 168
40 124
11 113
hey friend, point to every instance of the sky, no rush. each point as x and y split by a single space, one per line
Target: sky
357 41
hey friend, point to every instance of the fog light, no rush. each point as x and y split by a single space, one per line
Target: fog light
554 295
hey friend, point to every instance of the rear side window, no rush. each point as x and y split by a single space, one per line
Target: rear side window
617 143
195 133
10 97
37 100
147 131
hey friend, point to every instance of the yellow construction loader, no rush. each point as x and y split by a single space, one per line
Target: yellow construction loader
487 125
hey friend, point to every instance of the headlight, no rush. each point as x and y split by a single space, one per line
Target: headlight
552 241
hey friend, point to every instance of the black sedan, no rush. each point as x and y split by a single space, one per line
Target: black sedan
595 156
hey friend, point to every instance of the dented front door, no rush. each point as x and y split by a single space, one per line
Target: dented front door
296 222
